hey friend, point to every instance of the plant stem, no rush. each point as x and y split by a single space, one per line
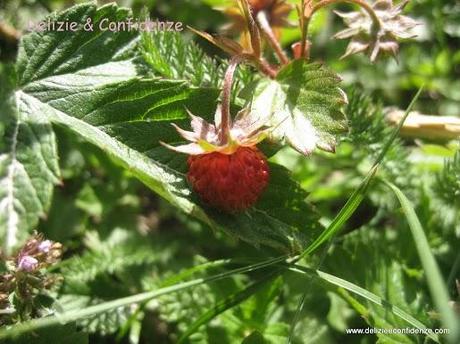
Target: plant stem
265 68
363 4
268 32
304 19
225 124
368 8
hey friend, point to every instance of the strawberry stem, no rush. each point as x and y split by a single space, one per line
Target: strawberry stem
270 36
225 124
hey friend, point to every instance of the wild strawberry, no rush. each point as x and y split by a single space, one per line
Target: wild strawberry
225 167
232 182
228 173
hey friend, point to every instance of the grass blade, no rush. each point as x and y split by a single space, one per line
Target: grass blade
227 303
357 290
353 202
358 195
435 280
78 314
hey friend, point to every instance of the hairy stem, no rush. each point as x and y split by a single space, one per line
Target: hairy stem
363 4
268 32
225 124
265 68
304 18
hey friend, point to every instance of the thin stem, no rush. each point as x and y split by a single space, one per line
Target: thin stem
368 8
268 32
304 20
302 27
224 132
265 68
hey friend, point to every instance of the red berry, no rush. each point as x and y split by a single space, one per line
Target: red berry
230 182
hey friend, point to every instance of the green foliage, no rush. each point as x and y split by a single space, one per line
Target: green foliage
104 101
171 57
303 104
111 267
28 166
447 185
57 334
369 131
384 272
142 266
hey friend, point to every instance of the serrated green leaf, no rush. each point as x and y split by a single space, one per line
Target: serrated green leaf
28 166
304 105
104 100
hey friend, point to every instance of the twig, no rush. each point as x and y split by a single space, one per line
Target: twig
265 27
9 34
426 126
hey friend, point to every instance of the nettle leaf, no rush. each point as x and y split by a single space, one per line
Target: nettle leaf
28 165
304 105
89 83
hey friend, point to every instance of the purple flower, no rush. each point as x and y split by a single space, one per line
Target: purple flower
27 263
45 246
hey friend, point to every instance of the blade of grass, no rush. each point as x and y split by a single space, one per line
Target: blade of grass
435 280
352 204
358 195
78 314
227 303
366 294
342 217
453 271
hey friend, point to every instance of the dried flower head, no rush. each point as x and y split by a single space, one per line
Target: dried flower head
376 34
25 277
38 253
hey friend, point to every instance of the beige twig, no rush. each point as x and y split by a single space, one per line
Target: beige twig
9 33
418 125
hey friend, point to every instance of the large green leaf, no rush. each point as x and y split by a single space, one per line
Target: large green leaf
303 103
89 82
28 165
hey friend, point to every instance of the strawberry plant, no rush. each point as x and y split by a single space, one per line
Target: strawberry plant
163 182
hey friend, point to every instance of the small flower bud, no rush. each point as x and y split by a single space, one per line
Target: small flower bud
45 246
27 263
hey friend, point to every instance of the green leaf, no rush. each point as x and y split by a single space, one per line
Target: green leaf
304 104
28 165
87 82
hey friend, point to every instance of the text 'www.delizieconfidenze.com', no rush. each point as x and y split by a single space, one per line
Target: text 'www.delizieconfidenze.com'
407 330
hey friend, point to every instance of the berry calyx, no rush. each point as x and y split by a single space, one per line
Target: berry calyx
230 182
